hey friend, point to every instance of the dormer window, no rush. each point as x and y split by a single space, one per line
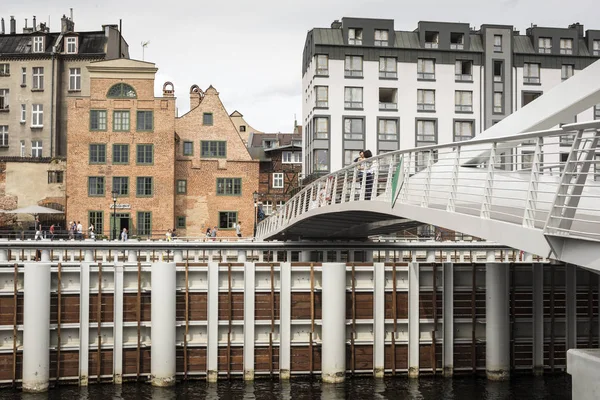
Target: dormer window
596 47
457 41
71 46
38 44
566 46
544 45
268 144
355 36
432 40
381 37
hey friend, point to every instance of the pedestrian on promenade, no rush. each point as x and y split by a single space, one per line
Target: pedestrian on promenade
38 228
238 229
91 230
213 233
52 232
169 235
372 168
79 231
124 235
208 232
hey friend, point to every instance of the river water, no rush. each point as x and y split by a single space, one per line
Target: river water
555 387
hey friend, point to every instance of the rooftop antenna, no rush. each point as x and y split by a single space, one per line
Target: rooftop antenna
144 45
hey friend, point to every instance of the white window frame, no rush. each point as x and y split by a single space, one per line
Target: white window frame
4 99
528 69
566 46
435 43
498 43
544 45
23 113
322 61
353 97
526 159
71 45
23 76
279 204
498 102
36 148
278 180
355 36
387 129
388 67
3 135
382 37
458 71
37 115
460 45
459 129
267 207
567 71
425 99
38 44
320 123
463 101
426 136
322 96
353 66
75 79
423 70
291 157
22 148
4 69
349 125
38 78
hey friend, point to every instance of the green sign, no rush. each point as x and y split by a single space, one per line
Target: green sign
397 181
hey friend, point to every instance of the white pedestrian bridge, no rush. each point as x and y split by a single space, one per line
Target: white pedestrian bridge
519 183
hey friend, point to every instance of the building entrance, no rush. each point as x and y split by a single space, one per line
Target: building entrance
122 221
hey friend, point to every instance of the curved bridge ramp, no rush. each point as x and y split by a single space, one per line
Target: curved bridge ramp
538 192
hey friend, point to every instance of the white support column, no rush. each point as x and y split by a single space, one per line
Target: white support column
430 256
538 319
333 330
369 256
36 327
414 334
3 255
285 320
163 308
212 351
379 320
497 327
241 257
448 311
84 321
249 300
571 306
132 256
305 255
118 326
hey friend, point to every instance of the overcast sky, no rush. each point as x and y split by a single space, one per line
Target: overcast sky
251 51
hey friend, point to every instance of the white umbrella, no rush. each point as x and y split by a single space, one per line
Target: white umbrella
35 210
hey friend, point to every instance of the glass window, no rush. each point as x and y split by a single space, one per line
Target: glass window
355 36
4 69
498 43
463 101
426 69
498 102
531 73
566 46
3 135
120 184
425 100
97 120
144 223
426 132
322 96
71 45
354 128
145 120
322 64
545 45
567 71
38 78
180 222
526 159
23 113
229 186
597 167
145 154
97 153
350 156
498 71
97 219
96 186
278 180
381 37
388 67
181 186
38 44
463 130
188 148
74 79
596 47
432 40
144 186
457 41
321 128
267 207
121 121
36 148
23 76
213 149
37 115
321 160
353 66
121 91
56 176
207 119
227 219
120 153
4 104
463 70
291 157
388 129
353 97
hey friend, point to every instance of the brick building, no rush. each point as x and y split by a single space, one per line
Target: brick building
280 156
121 140
215 175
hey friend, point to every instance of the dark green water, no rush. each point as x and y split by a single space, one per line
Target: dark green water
555 387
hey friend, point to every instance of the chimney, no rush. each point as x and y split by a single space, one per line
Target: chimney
196 96
578 27
336 24
2 26
34 24
66 25
13 25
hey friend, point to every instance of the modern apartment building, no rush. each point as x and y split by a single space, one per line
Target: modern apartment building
38 70
368 86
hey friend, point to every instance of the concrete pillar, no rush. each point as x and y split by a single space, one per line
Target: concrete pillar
414 334
285 320
132 256
583 366
36 327
84 321
571 306
305 256
497 327
241 256
212 351
249 300
379 320
538 319
448 311
333 329
430 256
3 255
163 354
178 256
369 256
118 325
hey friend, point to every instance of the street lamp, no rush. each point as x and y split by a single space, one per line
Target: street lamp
255 197
114 198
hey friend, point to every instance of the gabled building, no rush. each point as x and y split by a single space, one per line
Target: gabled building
121 151
39 69
243 128
215 175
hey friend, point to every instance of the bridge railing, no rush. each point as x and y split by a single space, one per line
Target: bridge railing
547 180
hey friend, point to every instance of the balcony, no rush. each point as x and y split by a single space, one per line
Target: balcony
463 77
463 108
388 106
531 79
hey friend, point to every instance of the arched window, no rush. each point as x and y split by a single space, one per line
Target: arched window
120 91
